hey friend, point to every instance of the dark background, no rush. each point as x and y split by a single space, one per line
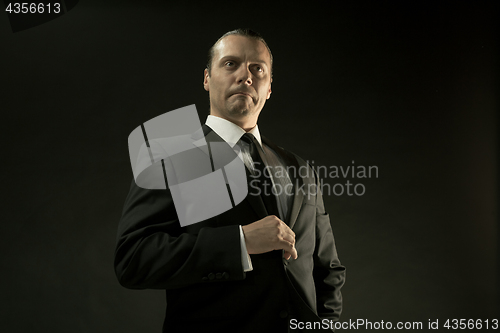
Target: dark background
410 88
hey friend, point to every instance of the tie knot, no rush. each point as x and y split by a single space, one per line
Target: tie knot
248 138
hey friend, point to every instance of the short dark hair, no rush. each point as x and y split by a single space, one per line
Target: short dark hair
240 32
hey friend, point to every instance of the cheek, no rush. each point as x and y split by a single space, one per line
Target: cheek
264 93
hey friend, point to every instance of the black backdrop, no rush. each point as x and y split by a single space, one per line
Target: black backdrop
406 87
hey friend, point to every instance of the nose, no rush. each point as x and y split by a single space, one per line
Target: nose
245 75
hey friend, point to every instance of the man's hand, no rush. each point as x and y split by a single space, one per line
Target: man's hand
270 234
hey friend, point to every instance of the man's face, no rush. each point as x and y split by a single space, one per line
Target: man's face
240 80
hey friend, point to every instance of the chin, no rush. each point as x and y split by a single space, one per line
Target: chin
240 111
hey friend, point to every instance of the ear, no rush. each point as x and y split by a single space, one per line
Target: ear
206 80
269 92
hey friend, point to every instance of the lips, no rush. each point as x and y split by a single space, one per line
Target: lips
242 93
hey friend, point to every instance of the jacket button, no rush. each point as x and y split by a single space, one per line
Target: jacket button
204 278
225 275
211 276
218 276
283 314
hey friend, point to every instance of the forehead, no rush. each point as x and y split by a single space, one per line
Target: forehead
244 47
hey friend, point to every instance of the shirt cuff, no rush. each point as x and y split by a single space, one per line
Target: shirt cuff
245 257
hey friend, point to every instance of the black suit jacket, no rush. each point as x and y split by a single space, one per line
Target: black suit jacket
200 266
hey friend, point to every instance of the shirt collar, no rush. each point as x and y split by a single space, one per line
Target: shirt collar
230 132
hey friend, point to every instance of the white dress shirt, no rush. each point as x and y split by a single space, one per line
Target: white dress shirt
232 133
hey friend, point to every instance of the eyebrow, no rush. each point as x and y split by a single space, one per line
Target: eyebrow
259 61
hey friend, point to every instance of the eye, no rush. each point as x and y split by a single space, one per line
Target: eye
229 64
259 69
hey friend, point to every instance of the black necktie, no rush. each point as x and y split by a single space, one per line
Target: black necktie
261 179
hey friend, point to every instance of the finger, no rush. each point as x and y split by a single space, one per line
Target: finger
284 229
295 255
289 238
288 230
288 247
287 255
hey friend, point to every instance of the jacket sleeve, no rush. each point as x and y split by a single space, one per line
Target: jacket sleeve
154 251
328 273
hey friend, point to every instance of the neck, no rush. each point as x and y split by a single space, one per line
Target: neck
246 123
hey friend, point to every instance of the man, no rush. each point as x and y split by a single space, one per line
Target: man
265 265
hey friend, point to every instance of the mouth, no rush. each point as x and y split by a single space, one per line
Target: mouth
243 94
